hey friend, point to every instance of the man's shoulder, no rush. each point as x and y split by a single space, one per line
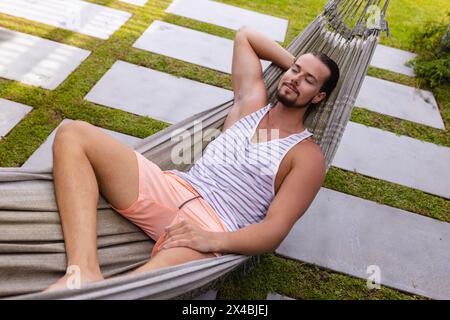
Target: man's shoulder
308 153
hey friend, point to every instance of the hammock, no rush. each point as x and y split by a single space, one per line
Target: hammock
31 240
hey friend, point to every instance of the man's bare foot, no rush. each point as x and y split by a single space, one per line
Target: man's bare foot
74 279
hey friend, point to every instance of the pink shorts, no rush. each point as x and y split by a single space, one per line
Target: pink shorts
160 195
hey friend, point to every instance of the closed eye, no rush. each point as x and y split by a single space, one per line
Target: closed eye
311 78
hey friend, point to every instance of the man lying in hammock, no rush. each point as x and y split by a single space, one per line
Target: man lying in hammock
239 207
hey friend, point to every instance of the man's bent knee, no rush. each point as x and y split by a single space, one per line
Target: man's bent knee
72 130
75 126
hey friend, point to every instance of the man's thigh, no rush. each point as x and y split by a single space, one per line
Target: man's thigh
115 164
171 257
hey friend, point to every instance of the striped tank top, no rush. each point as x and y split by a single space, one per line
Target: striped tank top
237 176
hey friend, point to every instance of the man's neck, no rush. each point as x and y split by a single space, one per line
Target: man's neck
287 119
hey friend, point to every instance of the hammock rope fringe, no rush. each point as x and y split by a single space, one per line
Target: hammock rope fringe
31 240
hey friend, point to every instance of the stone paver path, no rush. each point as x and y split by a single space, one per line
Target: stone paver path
341 232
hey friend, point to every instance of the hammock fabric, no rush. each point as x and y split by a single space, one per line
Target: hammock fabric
31 240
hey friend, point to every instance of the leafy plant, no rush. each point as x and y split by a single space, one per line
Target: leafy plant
432 43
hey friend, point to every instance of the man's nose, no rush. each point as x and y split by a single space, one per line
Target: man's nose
298 78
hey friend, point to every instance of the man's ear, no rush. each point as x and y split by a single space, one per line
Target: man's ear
319 97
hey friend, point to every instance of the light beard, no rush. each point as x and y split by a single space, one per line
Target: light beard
289 103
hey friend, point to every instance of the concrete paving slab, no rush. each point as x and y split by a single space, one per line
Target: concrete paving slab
155 94
230 17
400 101
36 61
392 59
399 159
74 15
189 45
11 113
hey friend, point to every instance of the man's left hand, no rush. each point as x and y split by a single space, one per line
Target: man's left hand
188 234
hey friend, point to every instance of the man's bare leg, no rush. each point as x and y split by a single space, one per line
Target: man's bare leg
171 257
86 161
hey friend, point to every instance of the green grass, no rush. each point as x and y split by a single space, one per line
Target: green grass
404 16
295 279
301 281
